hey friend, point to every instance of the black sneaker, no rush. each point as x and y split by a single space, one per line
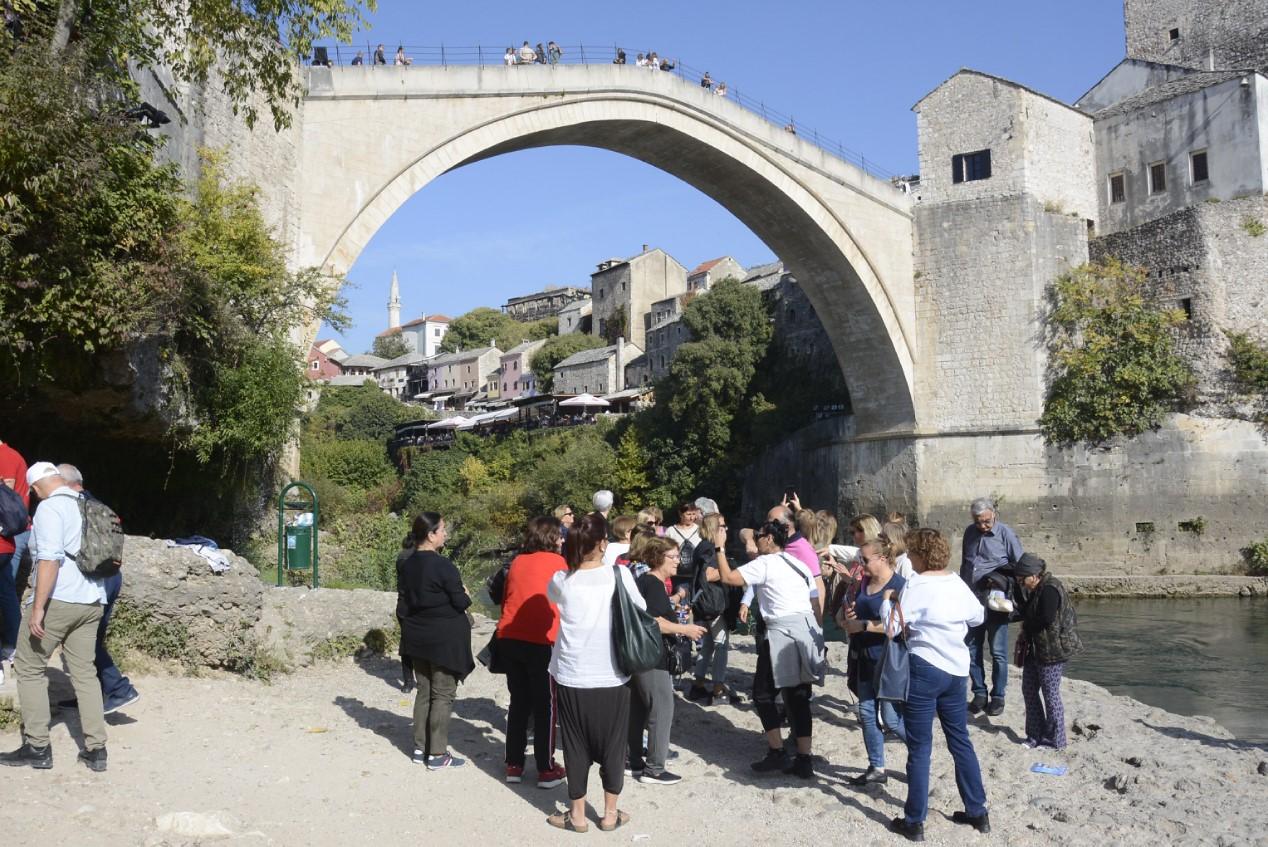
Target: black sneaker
775 762
802 766
977 704
871 776
913 831
634 768
28 756
996 708
94 759
662 778
697 692
982 823
114 705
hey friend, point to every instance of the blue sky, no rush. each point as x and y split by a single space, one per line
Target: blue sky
850 69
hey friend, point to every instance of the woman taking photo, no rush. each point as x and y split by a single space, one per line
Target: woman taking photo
591 691
435 633
938 609
652 692
862 620
525 634
714 648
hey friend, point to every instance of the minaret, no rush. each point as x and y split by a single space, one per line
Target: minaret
394 304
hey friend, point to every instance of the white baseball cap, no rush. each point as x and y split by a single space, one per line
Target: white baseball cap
38 471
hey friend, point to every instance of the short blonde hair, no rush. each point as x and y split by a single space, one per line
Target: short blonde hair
869 525
896 535
825 530
622 526
650 515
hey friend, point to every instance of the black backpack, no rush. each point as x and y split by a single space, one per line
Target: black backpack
687 555
708 599
14 517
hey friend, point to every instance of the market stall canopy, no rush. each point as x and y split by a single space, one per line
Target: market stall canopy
448 423
584 400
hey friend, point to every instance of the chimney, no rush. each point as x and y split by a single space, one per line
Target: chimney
644 248
620 364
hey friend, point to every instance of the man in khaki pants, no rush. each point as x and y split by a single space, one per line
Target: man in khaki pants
65 613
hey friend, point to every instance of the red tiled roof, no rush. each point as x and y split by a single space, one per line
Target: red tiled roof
392 330
436 319
704 266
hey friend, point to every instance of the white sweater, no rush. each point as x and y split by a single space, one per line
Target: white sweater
939 611
584 655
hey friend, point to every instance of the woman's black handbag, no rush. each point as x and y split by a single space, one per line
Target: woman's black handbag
893 672
639 646
491 656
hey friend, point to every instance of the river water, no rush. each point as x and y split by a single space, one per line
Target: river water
1204 656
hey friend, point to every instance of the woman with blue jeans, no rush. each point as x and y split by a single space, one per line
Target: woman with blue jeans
863 621
938 608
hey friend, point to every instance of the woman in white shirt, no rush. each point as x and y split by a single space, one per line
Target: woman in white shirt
593 699
938 609
791 656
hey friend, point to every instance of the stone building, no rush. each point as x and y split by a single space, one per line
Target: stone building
623 291
404 377
544 304
597 372
575 317
703 277
1206 34
461 375
363 365
515 373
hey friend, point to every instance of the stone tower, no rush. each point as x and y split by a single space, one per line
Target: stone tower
394 304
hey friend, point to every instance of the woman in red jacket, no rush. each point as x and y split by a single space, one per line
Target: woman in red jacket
525 633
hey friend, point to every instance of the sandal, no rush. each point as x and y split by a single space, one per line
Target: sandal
564 821
622 818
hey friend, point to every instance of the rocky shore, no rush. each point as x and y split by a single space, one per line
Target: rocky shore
321 757
1166 585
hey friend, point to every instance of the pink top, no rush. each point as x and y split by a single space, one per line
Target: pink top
802 549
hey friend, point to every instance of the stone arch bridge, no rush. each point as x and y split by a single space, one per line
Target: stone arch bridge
370 137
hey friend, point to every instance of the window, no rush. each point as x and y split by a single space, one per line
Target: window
316 365
1186 303
436 332
1158 178
967 167
1198 166
1117 188
1173 34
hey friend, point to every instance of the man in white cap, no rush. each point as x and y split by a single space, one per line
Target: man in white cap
65 612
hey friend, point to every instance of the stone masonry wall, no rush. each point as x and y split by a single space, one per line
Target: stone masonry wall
1205 254
986 115
1234 31
983 267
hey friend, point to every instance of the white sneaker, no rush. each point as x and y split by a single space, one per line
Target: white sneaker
997 602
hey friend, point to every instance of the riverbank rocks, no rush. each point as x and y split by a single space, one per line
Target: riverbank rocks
173 606
299 625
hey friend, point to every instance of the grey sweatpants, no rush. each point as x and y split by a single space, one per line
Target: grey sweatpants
651 706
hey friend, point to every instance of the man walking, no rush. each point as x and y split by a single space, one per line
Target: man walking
65 612
988 546
117 690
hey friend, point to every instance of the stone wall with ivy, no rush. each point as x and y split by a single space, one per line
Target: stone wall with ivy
1211 260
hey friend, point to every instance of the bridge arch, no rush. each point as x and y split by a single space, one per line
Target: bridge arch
845 235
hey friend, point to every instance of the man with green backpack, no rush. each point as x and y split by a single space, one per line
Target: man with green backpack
74 547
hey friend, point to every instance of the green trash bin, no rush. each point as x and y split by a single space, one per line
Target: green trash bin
299 548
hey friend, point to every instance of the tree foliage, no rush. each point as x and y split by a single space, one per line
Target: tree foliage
1113 367
484 325
1249 362
356 413
389 346
554 351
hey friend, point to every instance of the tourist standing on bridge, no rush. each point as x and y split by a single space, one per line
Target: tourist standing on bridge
620 57
359 59
508 58
541 54
592 693
436 634
989 545
527 56
706 81
380 56
552 49
401 58
938 610
525 632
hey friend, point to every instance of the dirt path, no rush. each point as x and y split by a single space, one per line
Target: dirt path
322 758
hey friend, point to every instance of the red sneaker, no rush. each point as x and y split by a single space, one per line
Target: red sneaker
515 773
552 776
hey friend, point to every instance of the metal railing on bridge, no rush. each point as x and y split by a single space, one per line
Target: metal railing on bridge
443 55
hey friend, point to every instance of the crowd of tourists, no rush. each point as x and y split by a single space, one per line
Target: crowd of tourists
600 614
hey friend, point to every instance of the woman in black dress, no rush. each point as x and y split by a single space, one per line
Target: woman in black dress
436 634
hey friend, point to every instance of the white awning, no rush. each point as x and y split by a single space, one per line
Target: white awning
584 400
448 423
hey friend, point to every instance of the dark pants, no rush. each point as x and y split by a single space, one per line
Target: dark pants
1045 714
115 687
934 691
10 612
433 706
532 695
796 698
592 725
995 633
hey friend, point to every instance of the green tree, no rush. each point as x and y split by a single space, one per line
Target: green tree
1113 367
616 326
356 412
554 351
1249 361
629 474
389 346
484 325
